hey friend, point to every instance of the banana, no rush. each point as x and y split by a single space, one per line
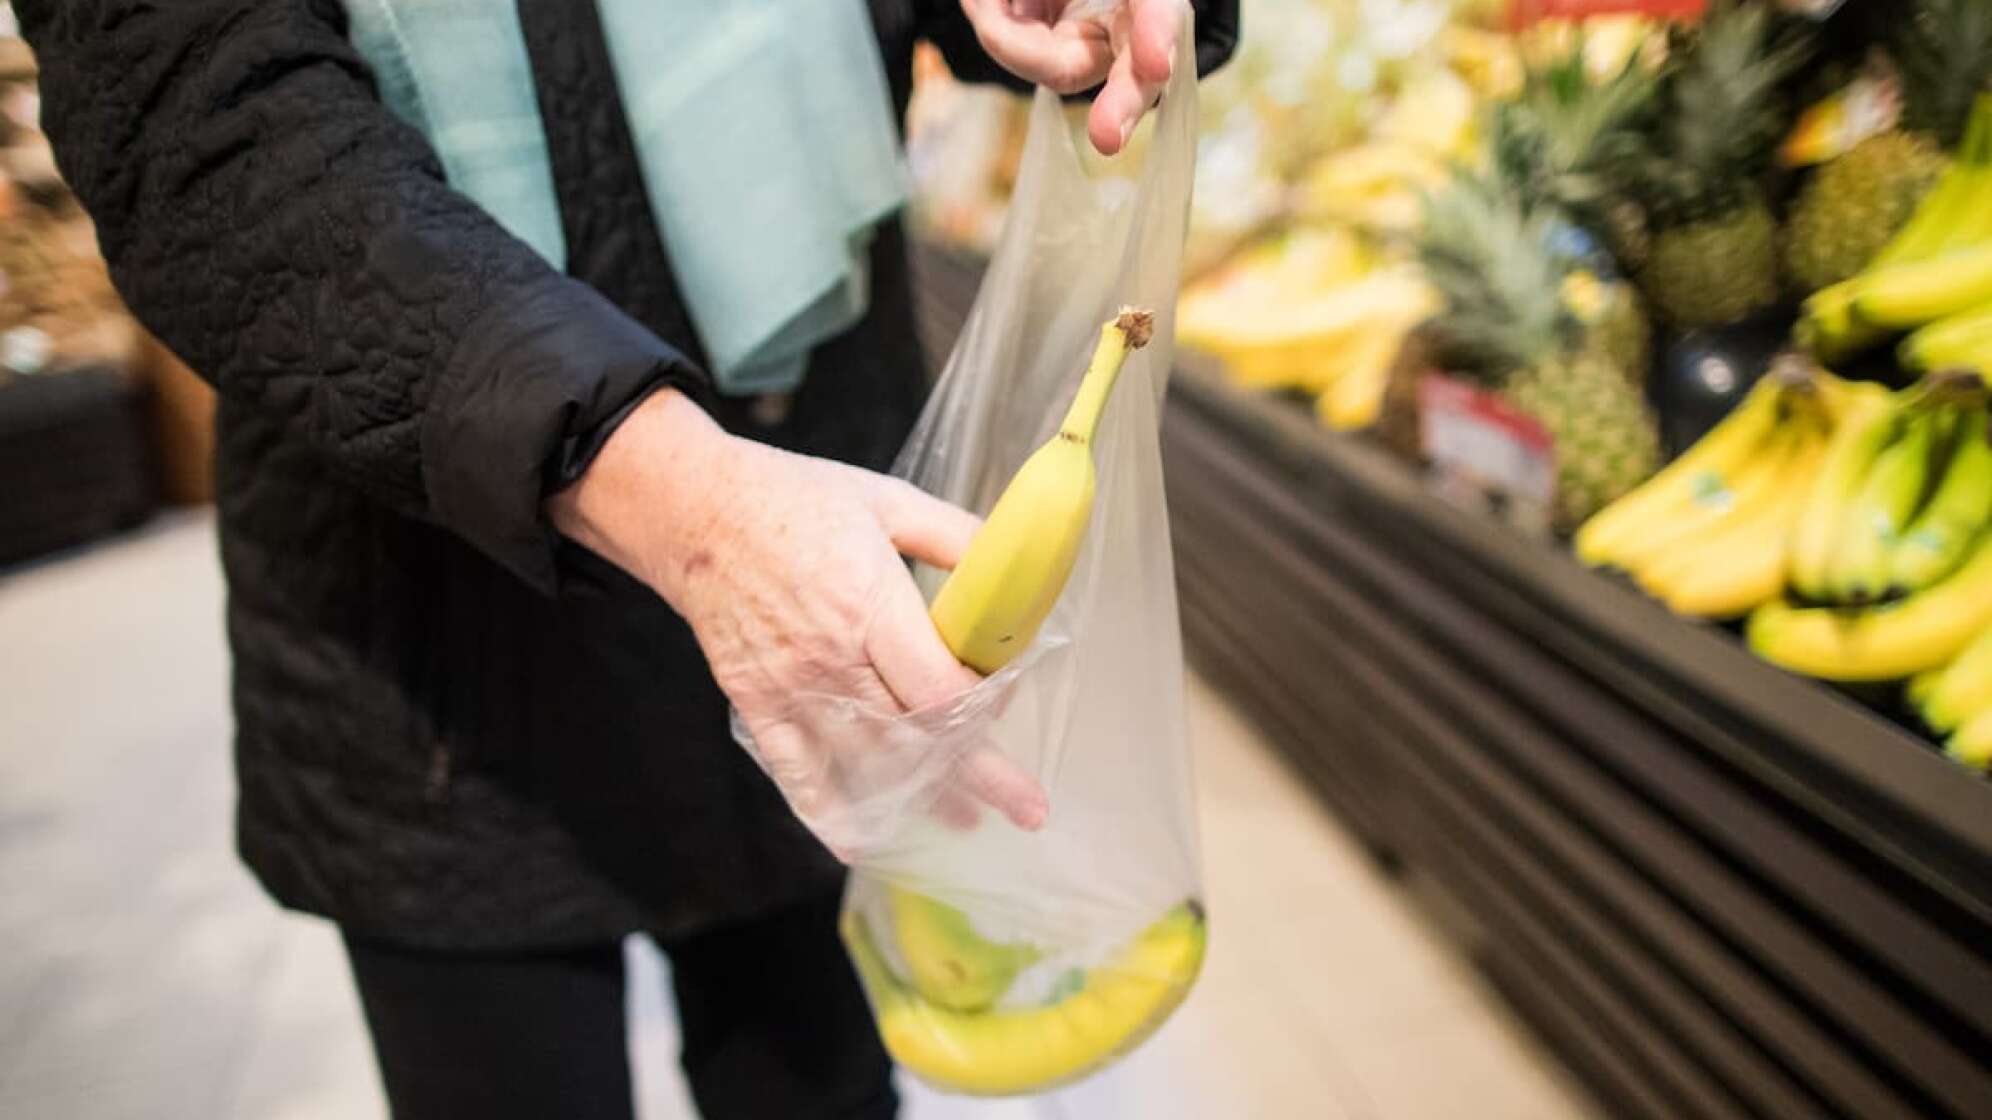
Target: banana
1707 468
1004 1051
1355 398
1950 342
1712 511
1972 745
1935 225
950 964
1883 643
1963 690
1005 585
1887 498
1922 687
1908 295
1827 327
1742 565
1862 431
1940 537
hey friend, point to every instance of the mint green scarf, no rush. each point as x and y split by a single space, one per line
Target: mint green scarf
764 129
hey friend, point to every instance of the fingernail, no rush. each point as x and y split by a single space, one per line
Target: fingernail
1127 129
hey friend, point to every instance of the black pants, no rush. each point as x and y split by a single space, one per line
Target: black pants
774 1024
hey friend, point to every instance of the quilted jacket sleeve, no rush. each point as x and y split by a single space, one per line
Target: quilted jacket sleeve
943 24
271 221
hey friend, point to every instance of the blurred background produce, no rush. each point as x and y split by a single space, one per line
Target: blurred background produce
1731 260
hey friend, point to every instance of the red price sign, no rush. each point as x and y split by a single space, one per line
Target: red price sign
1521 13
1484 451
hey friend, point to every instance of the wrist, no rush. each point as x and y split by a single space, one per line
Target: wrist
644 485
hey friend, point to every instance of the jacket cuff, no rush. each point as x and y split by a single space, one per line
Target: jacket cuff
532 393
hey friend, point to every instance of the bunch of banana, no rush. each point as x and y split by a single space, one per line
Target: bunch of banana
1938 266
1711 535
1313 311
957 1040
1956 702
1894 548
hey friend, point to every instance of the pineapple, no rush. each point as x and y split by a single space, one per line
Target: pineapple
1942 54
1532 324
1559 139
1699 175
1855 204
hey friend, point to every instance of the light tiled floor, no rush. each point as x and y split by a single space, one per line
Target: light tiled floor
144 976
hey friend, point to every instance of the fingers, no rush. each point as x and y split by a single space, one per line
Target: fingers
1004 786
922 526
1068 56
1138 74
908 654
1152 40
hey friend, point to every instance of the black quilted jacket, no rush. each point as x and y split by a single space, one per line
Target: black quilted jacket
452 728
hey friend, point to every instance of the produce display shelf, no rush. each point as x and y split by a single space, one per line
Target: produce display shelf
1716 889
1774 900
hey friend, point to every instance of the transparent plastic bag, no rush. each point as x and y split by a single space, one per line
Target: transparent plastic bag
1000 960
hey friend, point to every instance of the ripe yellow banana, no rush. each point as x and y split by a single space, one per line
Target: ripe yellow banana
1742 565
1028 1049
1862 430
1908 295
1940 537
1972 745
1884 643
1961 340
1707 469
1875 520
1005 585
1961 690
949 963
1355 398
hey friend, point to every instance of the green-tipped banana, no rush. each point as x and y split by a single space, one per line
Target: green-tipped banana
990 608
1882 507
949 963
1962 690
1105 1012
1940 537
1862 430
1891 642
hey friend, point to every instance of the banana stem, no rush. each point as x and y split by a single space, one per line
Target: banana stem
1129 331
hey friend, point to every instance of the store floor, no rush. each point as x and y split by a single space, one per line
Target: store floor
144 975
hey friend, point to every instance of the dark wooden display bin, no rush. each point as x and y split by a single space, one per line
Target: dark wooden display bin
1717 889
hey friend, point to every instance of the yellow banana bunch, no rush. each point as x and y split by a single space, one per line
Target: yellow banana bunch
1711 535
1881 643
1005 585
1103 1012
1304 315
1938 265
1742 562
1703 477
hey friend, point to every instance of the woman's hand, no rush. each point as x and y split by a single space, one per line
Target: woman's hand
1063 45
788 569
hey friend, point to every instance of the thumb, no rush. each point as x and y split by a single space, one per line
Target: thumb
922 526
